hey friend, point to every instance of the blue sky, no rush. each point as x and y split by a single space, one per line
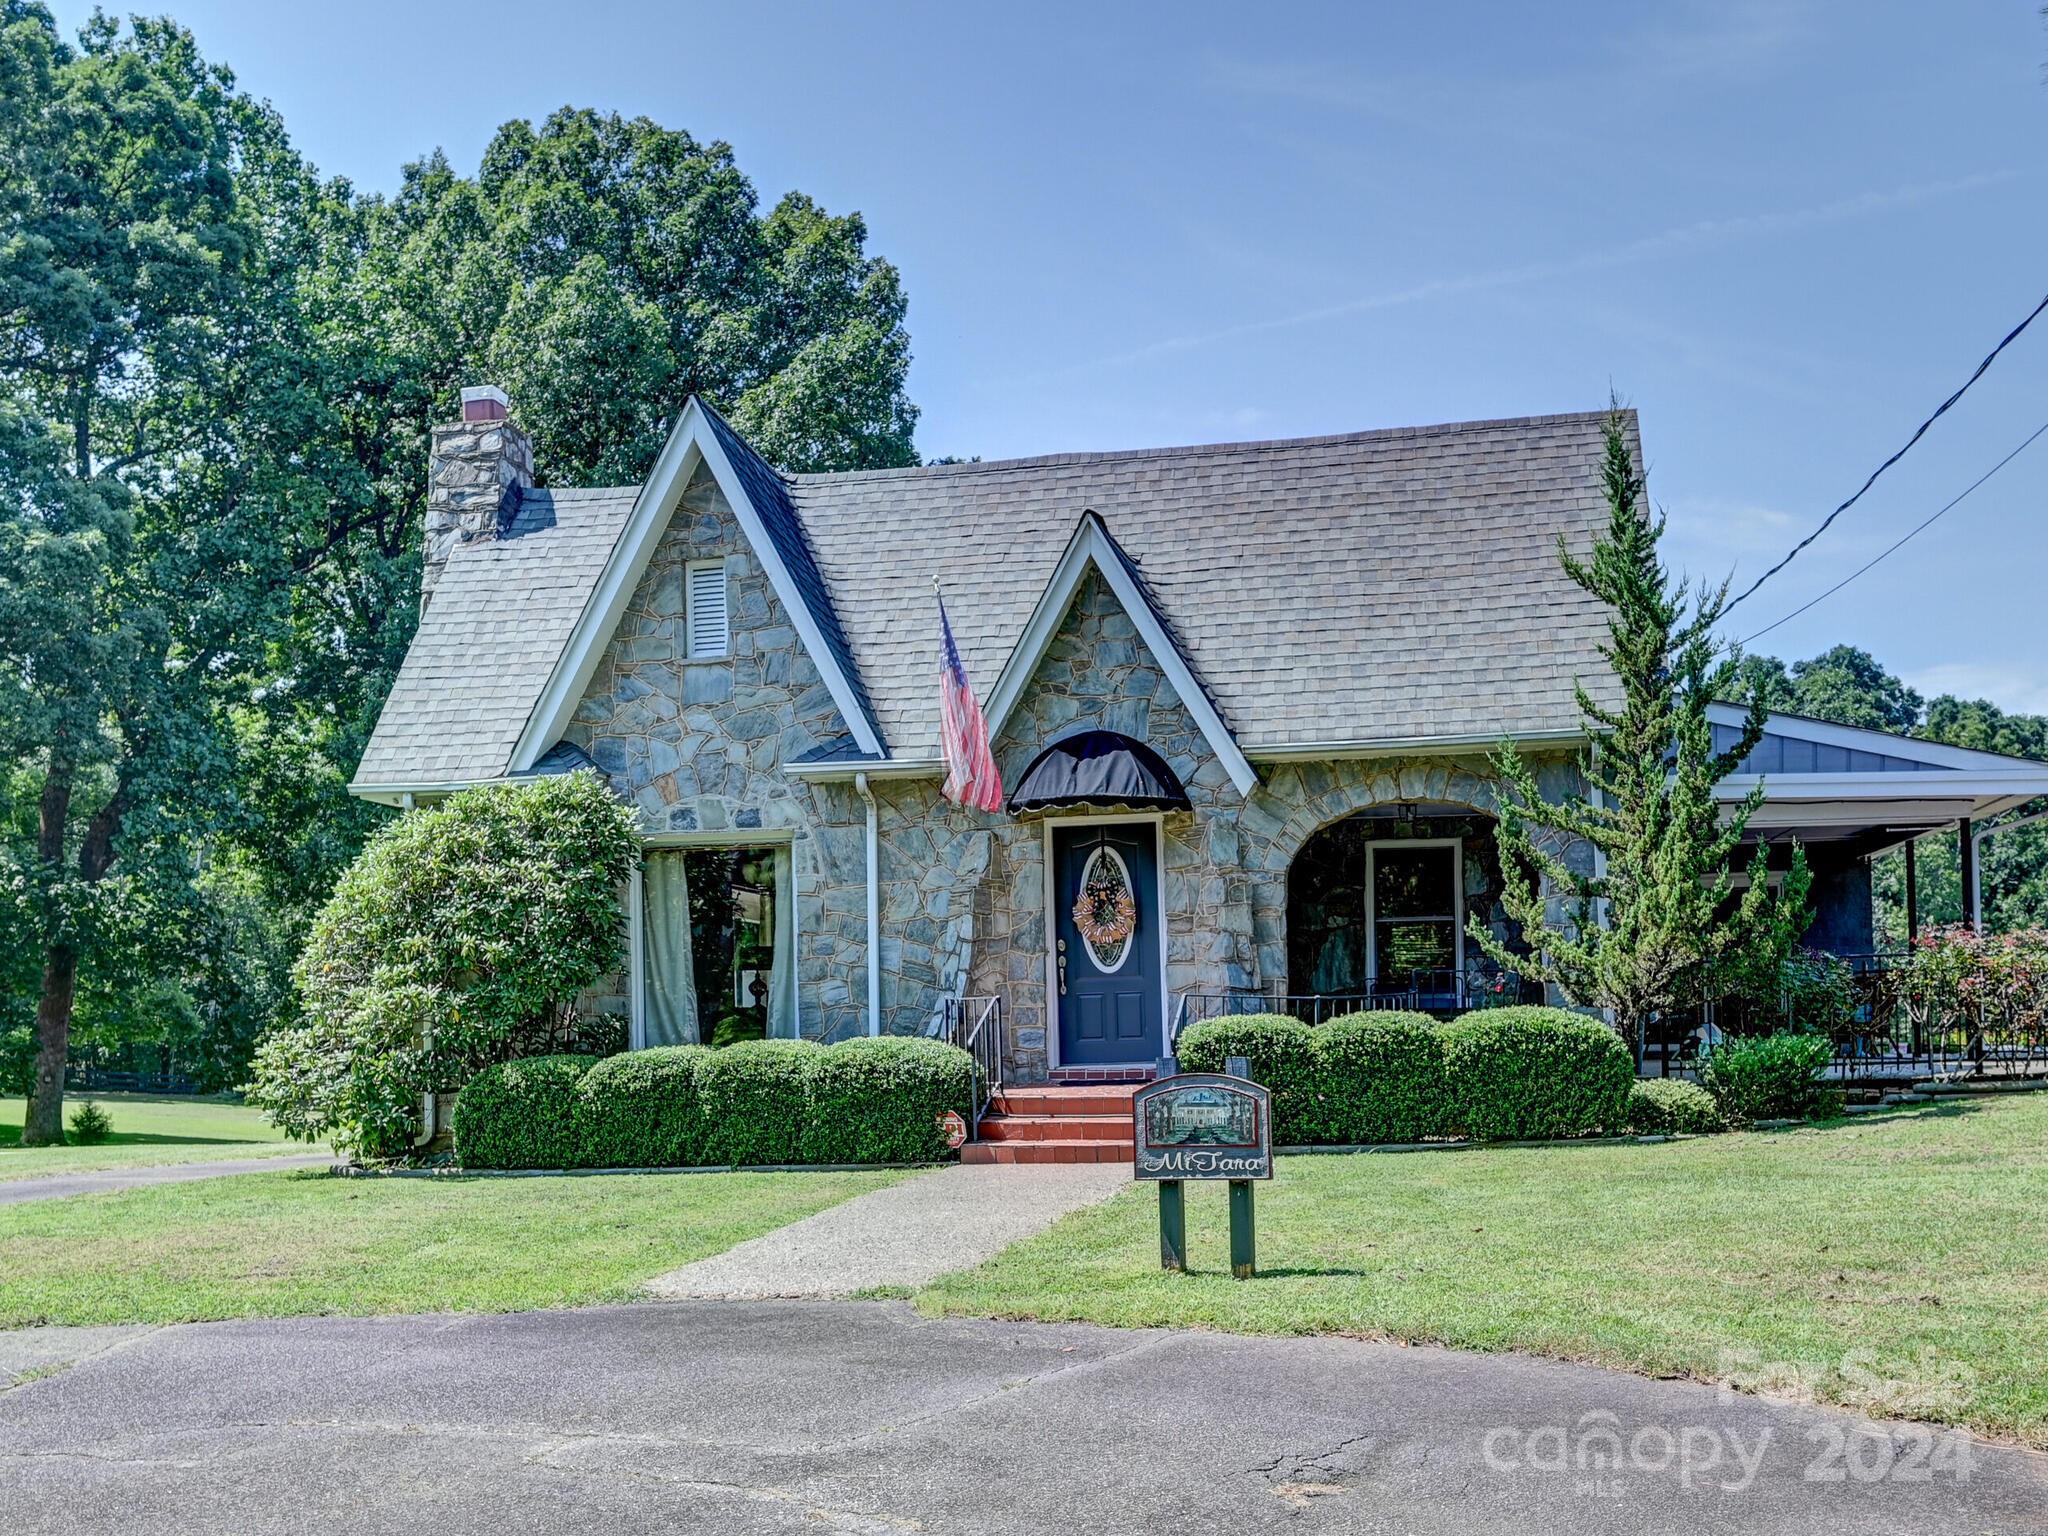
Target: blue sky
1783 231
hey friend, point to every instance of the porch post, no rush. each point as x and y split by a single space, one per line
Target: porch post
1966 839
1912 894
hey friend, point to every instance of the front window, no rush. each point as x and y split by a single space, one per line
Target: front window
1417 921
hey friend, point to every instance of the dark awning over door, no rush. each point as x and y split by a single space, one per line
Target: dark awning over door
1100 768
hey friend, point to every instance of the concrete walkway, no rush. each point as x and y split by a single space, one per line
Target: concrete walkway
54 1186
818 1417
905 1235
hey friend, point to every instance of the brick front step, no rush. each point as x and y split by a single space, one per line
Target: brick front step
1047 1152
1056 1128
1066 1099
1056 1123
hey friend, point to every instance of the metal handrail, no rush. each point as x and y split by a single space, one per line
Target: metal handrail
983 1040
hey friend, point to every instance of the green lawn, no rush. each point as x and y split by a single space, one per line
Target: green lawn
287 1243
1896 1262
148 1129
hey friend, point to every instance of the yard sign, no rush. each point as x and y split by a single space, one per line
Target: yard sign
1204 1125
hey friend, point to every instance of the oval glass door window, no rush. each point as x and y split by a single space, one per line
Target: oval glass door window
1106 909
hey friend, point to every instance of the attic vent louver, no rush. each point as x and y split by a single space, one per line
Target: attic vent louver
707 616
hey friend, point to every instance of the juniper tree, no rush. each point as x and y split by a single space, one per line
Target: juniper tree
1656 924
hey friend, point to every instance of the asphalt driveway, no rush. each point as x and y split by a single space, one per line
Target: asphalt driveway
862 1417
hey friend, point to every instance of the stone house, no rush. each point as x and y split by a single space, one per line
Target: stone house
1252 687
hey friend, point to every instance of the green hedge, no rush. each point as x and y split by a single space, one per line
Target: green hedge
1534 1074
1380 1077
1776 1077
765 1101
753 1097
879 1100
1671 1106
1366 1078
1281 1054
522 1114
640 1110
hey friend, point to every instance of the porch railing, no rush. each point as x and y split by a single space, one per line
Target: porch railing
1895 1029
975 1024
1443 992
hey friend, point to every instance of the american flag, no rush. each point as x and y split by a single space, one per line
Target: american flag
971 777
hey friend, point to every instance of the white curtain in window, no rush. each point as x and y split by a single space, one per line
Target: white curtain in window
671 993
782 1020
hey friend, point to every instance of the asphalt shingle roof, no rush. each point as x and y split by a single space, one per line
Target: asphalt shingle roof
769 491
1373 586
1387 585
500 616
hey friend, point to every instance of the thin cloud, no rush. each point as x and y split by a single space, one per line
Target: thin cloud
1664 242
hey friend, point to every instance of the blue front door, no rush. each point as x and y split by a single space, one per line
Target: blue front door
1106 956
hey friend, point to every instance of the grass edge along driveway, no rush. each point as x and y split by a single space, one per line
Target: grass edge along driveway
149 1130
291 1243
1896 1264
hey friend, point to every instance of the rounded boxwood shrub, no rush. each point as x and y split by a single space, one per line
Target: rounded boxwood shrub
754 1098
1533 1074
640 1110
1671 1106
522 1114
1380 1077
879 1100
1282 1059
1771 1077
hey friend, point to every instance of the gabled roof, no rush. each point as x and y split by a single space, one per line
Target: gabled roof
767 493
1376 590
1092 547
701 437
489 641
1378 587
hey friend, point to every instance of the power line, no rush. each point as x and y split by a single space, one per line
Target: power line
1901 542
1918 433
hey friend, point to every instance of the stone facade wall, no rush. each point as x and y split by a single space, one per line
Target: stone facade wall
697 746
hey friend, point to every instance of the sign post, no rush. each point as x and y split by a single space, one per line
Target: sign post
1173 1227
1204 1125
1244 1246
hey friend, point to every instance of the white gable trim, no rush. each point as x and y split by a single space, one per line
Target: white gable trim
1862 739
1090 546
691 443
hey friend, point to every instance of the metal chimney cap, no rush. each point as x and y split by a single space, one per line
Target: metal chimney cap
484 402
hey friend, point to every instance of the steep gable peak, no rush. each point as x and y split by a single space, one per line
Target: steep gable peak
1093 548
759 498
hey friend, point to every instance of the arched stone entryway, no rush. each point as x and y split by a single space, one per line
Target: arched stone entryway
1301 802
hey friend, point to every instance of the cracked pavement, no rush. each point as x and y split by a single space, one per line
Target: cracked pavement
863 1417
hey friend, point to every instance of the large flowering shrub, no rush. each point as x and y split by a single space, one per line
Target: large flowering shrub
457 939
1958 976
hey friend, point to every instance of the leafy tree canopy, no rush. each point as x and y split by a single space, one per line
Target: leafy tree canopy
217 375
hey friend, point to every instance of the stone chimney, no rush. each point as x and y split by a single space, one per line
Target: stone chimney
476 470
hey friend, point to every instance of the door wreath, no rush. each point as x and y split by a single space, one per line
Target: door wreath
1105 914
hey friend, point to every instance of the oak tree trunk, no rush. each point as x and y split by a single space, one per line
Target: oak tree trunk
44 1126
